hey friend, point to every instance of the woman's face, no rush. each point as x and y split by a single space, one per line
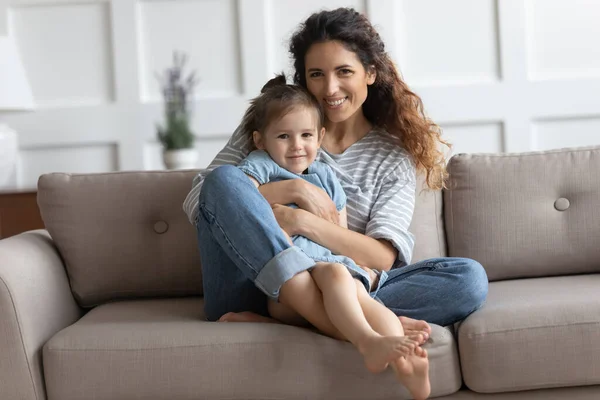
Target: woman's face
337 78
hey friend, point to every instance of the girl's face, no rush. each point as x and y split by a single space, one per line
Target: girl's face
337 78
293 140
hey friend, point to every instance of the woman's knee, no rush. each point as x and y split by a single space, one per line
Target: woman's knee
474 285
219 178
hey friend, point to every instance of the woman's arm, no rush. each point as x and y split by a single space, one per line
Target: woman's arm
365 251
373 253
372 274
344 218
280 192
306 195
386 239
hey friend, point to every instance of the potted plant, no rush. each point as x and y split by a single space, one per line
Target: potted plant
176 137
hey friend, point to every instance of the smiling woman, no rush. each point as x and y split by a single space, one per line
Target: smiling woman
377 139
336 77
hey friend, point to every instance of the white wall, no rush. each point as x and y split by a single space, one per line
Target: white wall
504 75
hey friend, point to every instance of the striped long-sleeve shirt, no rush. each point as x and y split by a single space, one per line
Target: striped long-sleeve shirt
377 175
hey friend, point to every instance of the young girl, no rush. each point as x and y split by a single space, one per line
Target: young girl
285 123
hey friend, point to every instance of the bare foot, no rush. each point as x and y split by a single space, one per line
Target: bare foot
379 351
413 373
419 338
413 326
246 316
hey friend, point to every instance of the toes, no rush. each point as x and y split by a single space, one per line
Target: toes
422 324
416 324
418 337
405 351
409 346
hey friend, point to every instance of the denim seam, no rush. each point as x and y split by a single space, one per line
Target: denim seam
215 223
431 266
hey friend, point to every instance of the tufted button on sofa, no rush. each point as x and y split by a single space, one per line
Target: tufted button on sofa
161 227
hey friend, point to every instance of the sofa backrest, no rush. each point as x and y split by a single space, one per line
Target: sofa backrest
124 234
526 215
428 223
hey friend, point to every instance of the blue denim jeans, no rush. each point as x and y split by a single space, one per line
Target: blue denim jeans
246 258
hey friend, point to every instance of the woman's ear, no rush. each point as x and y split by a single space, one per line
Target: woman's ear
258 142
371 75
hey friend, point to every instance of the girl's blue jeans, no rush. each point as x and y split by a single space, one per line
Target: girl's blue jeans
246 258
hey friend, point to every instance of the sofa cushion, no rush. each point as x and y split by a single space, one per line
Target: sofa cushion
571 393
162 349
122 234
428 223
526 215
533 333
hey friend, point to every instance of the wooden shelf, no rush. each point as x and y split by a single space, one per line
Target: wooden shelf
19 212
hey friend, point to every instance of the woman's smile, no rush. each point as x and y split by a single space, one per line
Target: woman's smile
333 104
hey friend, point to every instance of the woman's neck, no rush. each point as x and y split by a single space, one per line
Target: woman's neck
341 135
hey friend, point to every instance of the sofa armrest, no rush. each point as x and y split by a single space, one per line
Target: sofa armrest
35 303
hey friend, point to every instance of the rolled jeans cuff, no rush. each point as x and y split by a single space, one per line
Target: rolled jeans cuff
280 269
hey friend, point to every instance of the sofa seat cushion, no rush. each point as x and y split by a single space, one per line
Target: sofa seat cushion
164 349
532 334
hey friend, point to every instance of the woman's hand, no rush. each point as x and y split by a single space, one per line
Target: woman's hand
288 218
316 201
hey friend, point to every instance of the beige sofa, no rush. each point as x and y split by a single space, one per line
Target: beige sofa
108 304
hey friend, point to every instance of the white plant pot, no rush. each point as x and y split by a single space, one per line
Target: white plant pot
180 159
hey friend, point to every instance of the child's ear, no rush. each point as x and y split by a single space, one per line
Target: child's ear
321 135
257 138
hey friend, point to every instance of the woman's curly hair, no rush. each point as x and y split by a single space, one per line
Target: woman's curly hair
390 104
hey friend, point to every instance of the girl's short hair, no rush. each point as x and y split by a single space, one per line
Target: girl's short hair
276 99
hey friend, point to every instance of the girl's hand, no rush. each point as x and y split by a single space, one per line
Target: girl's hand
287 218
316 201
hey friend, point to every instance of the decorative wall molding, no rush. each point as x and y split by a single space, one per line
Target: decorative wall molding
490 72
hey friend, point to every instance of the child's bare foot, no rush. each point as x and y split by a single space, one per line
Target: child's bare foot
413 326
419 338
413 373
246 316
379 351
